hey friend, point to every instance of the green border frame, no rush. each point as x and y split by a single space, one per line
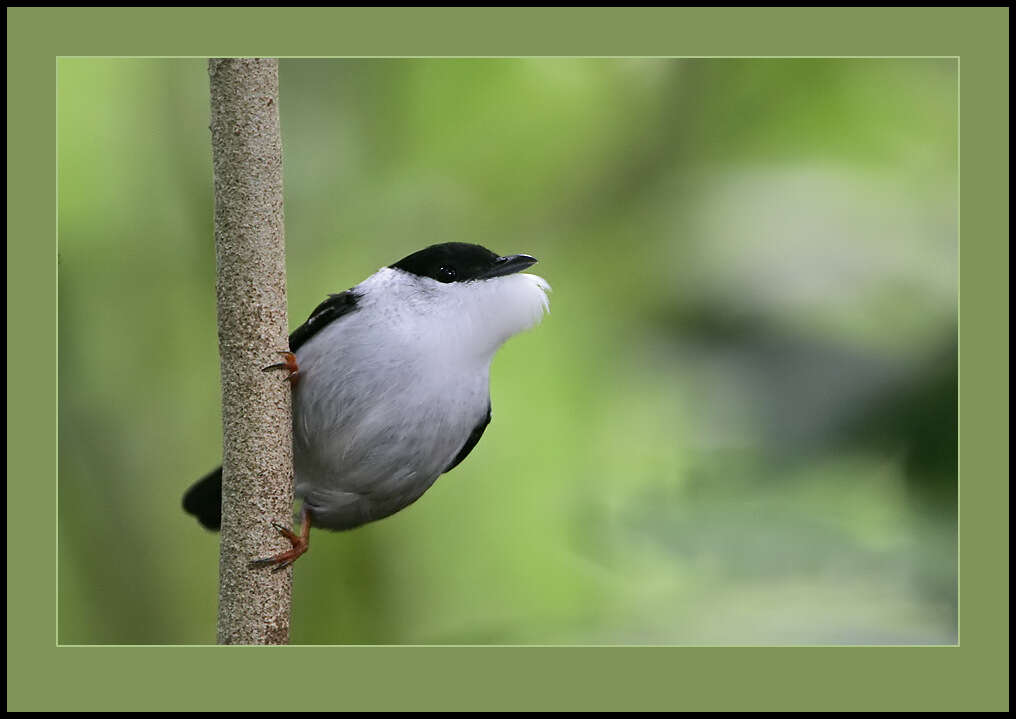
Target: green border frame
44 676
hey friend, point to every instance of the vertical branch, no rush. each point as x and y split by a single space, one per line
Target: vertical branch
257 487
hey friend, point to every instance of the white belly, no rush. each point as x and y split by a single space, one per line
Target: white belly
375 424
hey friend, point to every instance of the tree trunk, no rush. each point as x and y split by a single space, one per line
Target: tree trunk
257 477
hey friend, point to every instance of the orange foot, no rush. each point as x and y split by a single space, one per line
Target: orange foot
300 545
288 363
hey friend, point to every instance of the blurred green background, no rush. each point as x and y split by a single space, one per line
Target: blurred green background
737 425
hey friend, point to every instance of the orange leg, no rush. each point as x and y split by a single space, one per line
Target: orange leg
289 364
300 545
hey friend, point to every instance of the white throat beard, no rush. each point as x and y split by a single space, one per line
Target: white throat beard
470 320
482 315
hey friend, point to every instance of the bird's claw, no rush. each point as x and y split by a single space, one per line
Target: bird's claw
279 564
300 543
289 364
286 532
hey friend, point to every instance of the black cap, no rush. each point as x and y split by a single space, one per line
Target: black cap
461 262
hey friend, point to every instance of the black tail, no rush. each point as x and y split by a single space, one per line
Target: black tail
204 500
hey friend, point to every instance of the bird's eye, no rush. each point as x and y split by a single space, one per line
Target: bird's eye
447 274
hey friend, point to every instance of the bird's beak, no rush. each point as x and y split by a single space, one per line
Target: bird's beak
509 265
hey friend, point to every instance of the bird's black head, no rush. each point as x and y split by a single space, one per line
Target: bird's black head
461 262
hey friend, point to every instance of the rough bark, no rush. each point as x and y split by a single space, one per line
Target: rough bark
257 479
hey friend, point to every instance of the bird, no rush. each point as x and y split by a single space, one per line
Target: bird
391 385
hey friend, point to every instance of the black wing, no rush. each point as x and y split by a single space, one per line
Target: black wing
324 314
474 437
204 498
